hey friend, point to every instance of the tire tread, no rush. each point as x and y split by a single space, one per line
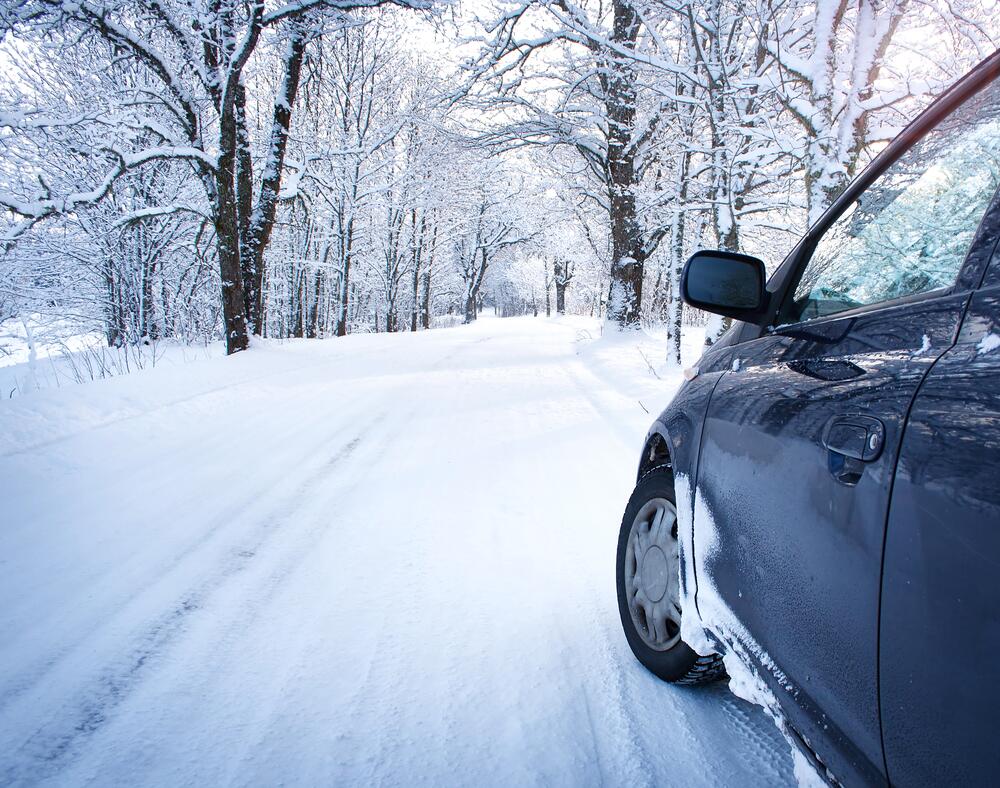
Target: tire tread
705 670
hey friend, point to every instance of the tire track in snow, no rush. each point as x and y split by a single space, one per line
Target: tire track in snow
231 622
766 742
45 752
384 676
252 609
222 523
382 705
615 697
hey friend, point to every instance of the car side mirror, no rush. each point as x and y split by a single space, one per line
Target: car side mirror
725 283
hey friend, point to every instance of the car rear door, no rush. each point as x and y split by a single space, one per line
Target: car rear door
801 439
940 622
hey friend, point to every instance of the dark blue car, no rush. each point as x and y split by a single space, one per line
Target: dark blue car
821 501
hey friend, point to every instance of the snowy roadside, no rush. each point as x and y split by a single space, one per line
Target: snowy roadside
634 365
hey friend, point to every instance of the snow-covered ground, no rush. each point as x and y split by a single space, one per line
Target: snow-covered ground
375 560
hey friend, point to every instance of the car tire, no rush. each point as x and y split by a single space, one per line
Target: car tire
648 578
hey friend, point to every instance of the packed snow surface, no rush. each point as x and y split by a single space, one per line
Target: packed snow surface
373 560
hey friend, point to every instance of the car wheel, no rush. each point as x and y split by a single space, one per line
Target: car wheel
648 579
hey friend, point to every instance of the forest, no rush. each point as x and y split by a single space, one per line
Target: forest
199 170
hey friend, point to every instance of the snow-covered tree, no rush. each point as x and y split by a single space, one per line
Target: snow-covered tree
568 75
192 108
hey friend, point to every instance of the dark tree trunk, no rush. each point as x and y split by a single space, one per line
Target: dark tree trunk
298 319
476 272
312 329
112 320
627 249
225 211
345 280
415 310
244 198
675 306
227 233
148 311
425 308
562 273
168 329
417 253
267 204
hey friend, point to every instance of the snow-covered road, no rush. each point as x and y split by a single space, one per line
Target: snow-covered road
379 560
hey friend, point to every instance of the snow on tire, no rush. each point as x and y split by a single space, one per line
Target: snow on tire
648 580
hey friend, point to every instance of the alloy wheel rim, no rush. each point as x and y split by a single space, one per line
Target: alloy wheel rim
652 575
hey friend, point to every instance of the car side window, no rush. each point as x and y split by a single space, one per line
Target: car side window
909 232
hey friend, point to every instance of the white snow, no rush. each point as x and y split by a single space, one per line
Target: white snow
988 343
692 628
381 559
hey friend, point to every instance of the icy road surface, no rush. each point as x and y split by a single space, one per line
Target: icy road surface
380 560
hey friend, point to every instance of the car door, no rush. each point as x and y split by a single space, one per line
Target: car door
802 435
940 622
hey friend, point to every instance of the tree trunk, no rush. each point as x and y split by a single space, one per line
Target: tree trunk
425 309
548 291
345 279
415 309
270 186
148 311
416 253
476 272
627 249
168 328
312 331
244 196
675 305
228 240
227 233
112 320
298 324
561 275
715 328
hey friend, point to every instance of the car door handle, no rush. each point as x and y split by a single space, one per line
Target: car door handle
857 437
